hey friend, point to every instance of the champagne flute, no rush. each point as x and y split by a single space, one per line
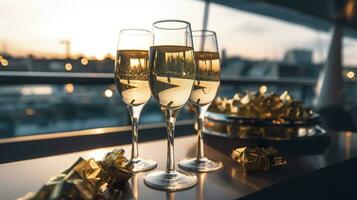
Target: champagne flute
131 78
204 91
171 77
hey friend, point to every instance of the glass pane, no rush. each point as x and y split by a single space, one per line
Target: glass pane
80 36
36 109
288 56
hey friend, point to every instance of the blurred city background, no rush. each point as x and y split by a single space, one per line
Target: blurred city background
72 43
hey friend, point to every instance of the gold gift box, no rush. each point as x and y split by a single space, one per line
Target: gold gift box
262 105
88 179
257 159
260 115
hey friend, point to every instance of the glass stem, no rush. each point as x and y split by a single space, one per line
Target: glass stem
200 116
134 112
170 117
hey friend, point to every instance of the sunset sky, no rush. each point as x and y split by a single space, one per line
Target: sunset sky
37 27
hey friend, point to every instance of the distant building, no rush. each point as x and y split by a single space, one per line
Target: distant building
298 56
232 66
236 66
266 69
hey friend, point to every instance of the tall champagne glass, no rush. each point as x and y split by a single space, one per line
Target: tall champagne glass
204 91
171 77
131 78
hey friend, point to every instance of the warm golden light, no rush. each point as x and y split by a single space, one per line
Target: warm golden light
68 67
263 89
350 9
348 141
36 90
84 61
4 62
245 99
134 62
350 74
30 111
348 133
108 93
69 87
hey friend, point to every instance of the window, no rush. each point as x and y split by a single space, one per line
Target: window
77 39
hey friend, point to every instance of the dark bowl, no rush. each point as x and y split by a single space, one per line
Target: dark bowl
313 120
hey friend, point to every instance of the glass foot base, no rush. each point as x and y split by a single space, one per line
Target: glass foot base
173 181
202 165
141 164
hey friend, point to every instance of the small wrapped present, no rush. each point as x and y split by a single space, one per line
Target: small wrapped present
257 159
88 180
262 105
117 169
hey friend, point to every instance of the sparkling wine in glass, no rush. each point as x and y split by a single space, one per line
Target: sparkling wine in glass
131 78
172 73
203 93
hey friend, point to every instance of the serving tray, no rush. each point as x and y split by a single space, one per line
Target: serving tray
232 118
307 144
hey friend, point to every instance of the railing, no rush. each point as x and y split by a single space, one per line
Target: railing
19 77
16 77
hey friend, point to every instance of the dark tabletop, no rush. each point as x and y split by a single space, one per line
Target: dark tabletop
18 178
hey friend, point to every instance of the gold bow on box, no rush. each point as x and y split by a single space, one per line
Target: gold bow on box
257 159
88 179
262 105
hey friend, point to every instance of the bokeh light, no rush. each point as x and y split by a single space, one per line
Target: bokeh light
29 111
84 61
68 67
69 87
263 89
4 62
108 93
350 74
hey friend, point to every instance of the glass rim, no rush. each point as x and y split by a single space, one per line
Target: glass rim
203 33
135 31
185 23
